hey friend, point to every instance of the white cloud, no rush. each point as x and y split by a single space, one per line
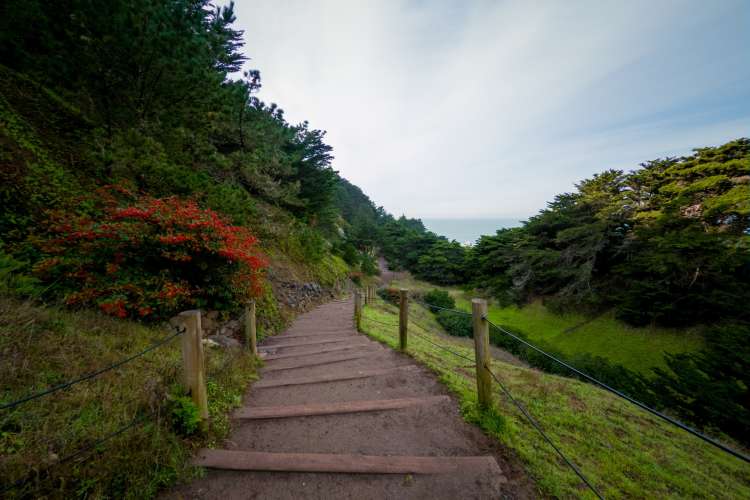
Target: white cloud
491 108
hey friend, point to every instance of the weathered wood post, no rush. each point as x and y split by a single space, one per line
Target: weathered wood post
251 338
366 293
403 318
482 351
194 375
357 310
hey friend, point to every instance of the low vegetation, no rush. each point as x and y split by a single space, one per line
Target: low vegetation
624 451
40 439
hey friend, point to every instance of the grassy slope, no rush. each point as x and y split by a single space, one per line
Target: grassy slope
42 347
638 349
625 452
44 144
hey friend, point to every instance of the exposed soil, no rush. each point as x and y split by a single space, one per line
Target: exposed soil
426 430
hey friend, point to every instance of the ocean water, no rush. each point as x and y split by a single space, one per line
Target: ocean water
467 231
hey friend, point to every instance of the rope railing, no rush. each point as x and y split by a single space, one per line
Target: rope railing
187 325
89 376
507 393
544 435
439 308
381 323
605 386
81 451
624 396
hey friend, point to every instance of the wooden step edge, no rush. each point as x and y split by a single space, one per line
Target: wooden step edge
274 368
342 335
302 332
265 384
342 463
270 347
316 353
314 409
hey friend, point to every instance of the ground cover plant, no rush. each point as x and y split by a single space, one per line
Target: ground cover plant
625 452
50 346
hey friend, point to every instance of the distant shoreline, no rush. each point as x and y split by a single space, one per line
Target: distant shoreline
468 231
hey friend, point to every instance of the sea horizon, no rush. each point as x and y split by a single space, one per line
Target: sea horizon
468 230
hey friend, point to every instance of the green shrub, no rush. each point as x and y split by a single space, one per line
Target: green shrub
439 298
390 295
455 324
349 253
712 387
233 200
185 416
368 265
13 280
142 257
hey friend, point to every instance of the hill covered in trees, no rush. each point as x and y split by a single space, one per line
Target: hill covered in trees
141 176
666 244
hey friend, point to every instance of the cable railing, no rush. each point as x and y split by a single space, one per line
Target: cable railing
89 376
84 451
586 481
601 384
187 326
87 449
544 435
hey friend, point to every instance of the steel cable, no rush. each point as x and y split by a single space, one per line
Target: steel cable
625 396
91 375
432 306
538 427
91 447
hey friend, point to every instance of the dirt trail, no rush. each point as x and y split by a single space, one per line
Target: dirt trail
323 365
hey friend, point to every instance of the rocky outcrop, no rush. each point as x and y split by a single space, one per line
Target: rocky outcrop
301 296
291 296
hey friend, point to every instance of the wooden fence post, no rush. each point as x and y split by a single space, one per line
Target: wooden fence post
251 339
357 310
403 318
482 351
194 376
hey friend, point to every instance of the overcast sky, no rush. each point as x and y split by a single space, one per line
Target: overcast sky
488 109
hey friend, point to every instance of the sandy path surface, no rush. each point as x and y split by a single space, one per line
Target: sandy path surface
323 344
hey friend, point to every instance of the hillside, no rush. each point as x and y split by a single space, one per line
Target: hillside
625 452
637 348
141 176
128 195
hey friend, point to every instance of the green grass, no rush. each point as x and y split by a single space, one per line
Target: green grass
638 349
43 346
624 451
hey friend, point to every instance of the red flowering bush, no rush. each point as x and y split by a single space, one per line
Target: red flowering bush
137 256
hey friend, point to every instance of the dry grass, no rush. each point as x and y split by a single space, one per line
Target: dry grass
41 347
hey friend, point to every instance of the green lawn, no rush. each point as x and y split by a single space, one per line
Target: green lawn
624 451
638 349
